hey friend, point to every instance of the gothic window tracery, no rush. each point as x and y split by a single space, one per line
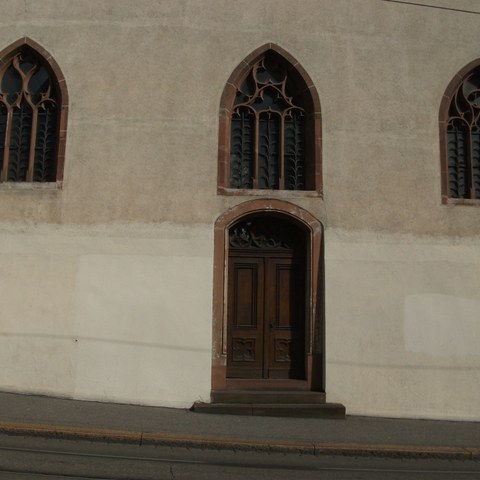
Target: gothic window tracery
270 127
267 149
30 109
463 138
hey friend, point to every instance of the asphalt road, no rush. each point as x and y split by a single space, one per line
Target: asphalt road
48 459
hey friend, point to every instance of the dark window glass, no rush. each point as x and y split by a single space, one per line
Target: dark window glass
463 139
267 142
28 120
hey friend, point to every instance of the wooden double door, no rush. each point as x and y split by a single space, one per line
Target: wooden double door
266 314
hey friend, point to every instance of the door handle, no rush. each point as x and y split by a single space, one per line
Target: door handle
272 324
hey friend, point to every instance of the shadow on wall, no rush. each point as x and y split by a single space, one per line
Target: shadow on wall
106 340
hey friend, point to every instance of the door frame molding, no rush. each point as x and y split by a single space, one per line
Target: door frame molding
314 329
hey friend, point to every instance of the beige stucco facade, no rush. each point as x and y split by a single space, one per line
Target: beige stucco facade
106 281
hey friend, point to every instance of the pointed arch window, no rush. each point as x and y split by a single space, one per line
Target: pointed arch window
33 109
460 137
269 126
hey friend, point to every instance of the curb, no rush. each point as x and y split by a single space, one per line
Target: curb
223 443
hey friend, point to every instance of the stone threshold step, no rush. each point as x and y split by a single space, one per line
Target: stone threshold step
263 396
299 410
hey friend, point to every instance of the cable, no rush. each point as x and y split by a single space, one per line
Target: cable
426 5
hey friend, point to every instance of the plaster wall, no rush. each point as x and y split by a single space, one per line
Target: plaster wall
106 283
402 324
145 81
120 314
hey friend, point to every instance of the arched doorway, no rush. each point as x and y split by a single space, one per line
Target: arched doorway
266 299
301 264
268 333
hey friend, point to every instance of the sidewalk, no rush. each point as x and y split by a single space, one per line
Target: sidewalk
74 419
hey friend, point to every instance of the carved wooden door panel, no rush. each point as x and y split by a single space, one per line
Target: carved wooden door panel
245 317
266 316
285 318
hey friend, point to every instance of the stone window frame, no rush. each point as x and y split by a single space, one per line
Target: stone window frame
61 91
313 130
443 120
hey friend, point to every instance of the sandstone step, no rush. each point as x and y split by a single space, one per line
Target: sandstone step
263 396
301 410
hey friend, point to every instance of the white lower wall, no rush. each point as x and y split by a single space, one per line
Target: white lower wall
120 314
124 314
403 325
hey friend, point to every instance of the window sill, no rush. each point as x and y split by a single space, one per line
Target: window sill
268 193
461 201
28 186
